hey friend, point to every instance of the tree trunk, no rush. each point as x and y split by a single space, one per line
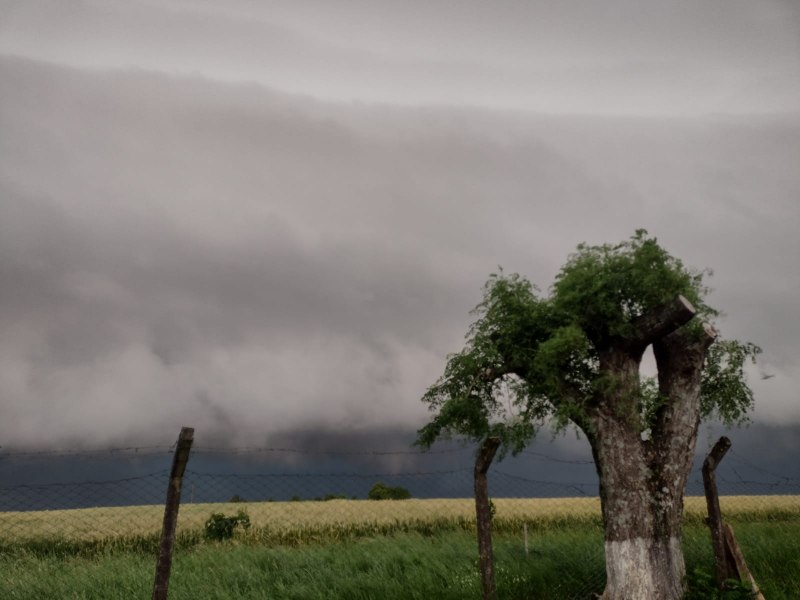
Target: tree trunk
642 478
644 560
484 516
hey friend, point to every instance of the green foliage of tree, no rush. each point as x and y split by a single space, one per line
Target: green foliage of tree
724 393
328 497
379 491
602 289
530 357
221 527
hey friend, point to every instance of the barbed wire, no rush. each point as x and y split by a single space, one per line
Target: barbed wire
327 475
558 460
56 484
252 450
738 457
238 451
140 450
244 450
783 482
577 486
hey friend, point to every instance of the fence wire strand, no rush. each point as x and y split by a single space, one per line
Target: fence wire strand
536 522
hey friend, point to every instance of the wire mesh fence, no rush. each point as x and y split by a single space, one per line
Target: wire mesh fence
547 533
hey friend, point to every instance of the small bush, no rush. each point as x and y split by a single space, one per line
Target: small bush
335 497
221 527
236 498
703 586
380 491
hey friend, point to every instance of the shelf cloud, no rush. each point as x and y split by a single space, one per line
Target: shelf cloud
258 220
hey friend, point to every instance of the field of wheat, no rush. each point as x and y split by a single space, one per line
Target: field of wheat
119 522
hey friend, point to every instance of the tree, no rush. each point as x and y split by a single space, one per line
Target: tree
573 356
379 491
483 516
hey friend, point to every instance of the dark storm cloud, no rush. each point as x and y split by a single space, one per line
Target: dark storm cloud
318 461
209 248
270 259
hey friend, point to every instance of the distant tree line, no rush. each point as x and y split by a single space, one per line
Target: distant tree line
379 491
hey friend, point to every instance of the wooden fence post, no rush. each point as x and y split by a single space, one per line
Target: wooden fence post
728 557
721 562
164 564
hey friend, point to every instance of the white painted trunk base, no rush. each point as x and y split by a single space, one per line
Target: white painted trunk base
644 569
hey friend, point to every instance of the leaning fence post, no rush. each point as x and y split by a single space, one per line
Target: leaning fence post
714 514
164 564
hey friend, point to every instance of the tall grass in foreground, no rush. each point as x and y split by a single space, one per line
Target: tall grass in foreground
562 563
402 566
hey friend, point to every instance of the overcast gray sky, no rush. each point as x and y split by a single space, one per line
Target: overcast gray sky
264 216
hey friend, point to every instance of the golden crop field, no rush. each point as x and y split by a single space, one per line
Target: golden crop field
105 523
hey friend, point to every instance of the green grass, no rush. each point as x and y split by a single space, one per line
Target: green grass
561 564
405 565
380 559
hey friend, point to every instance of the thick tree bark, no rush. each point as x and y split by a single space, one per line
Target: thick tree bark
680 358
484 516
642 535
642 540
642 479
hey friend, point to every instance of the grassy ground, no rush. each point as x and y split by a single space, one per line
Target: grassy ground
402 566
356 555
560 564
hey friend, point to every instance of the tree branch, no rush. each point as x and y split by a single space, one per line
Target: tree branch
661 321
690 345
485 455
680 358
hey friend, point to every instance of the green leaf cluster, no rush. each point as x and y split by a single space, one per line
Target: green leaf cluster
724 393
604 288
221 527
380 491
530 357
